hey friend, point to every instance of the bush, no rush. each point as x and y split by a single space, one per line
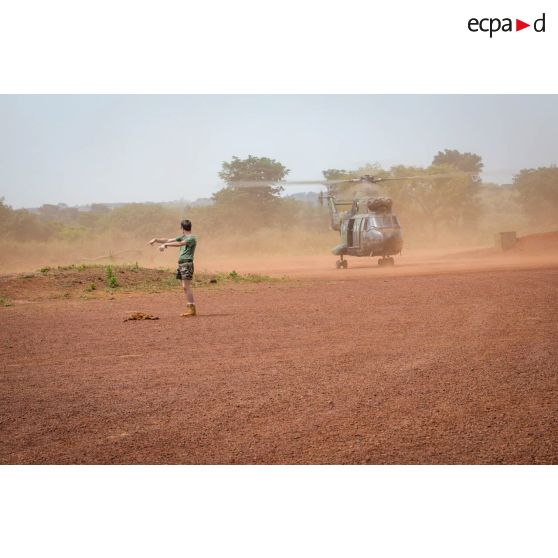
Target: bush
5 301
538 194
23 225
112 282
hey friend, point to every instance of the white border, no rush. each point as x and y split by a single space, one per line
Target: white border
246 511
257 46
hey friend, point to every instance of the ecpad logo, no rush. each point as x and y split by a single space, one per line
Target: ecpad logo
493 25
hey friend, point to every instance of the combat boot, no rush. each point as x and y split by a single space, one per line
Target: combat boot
190 311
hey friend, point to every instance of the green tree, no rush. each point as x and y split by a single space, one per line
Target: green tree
537 191
467 162
462 207
440 195
252 191
253 175
339 174
20 224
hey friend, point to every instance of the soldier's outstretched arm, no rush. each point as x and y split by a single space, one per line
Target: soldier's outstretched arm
160 240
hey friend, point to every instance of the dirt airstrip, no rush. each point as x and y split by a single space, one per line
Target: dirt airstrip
439 360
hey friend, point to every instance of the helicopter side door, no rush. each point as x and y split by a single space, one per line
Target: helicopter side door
354 234
350 233
357 233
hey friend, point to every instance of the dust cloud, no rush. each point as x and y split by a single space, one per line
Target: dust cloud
291 253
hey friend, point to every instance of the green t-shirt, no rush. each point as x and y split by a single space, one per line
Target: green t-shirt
186 253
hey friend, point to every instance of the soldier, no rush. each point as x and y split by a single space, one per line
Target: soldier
185 272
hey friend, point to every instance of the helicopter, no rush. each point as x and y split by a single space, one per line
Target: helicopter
366 223
367 228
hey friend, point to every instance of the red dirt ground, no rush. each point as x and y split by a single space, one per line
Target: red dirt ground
445 363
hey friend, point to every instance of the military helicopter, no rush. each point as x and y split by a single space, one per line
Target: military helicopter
366 223
367 227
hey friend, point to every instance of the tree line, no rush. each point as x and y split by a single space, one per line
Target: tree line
447 194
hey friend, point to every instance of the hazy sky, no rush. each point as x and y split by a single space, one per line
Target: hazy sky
79 149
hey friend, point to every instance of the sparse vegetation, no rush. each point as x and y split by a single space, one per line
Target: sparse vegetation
235 277
112 282
93 281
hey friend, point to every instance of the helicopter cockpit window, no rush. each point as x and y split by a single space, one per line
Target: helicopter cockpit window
383 221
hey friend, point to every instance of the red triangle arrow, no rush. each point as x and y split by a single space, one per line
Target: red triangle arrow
519 25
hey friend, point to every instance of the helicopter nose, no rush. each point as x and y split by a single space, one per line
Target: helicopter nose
394 241
375 236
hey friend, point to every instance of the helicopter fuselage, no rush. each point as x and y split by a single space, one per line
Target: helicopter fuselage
370 234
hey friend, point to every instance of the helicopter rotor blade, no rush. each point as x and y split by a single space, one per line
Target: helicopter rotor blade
366 179
282 183
425 176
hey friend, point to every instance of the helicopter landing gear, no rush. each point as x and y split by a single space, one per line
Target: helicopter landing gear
386 261
341 263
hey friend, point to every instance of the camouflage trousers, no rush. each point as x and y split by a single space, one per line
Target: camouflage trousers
185 271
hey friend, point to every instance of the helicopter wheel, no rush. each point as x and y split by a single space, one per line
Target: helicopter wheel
341 264
386 261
